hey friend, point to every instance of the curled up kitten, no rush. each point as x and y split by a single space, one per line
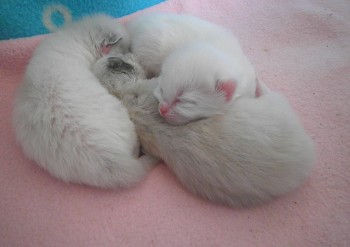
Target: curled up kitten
255 152
201 66
196 82
66 121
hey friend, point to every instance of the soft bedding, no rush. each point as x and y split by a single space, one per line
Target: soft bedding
299 48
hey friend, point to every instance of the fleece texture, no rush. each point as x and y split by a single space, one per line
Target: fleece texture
299 48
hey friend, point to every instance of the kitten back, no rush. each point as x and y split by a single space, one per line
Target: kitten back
256 152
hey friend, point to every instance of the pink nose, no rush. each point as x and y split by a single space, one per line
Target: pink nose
163 109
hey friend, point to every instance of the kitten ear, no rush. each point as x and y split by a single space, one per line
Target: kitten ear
227 87
108 43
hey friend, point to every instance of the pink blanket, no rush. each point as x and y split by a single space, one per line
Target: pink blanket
300 48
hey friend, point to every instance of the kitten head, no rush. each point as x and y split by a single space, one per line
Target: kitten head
195 82
102 34
116 70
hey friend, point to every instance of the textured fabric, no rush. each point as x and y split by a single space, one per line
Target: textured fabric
299 48
24 18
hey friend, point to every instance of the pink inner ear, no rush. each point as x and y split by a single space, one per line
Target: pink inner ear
106 49
228 88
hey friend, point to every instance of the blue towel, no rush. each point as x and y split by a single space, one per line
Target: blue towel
24 18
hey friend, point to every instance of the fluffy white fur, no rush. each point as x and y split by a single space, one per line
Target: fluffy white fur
116 71
66 121
255 152
190 81
197 55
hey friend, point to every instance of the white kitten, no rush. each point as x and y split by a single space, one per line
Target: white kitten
66 121
196 81
116 71
255 152
196 55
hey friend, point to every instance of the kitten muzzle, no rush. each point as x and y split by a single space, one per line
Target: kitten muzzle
164 109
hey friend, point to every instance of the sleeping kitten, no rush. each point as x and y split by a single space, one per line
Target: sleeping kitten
196 81
66 121
257 151
202 55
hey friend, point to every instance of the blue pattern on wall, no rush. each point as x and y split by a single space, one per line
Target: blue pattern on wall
23 18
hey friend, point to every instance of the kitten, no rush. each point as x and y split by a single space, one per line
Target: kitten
255 152
66 121
198 80
116 71
202 55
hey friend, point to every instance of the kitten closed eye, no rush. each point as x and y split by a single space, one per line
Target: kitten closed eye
187 101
